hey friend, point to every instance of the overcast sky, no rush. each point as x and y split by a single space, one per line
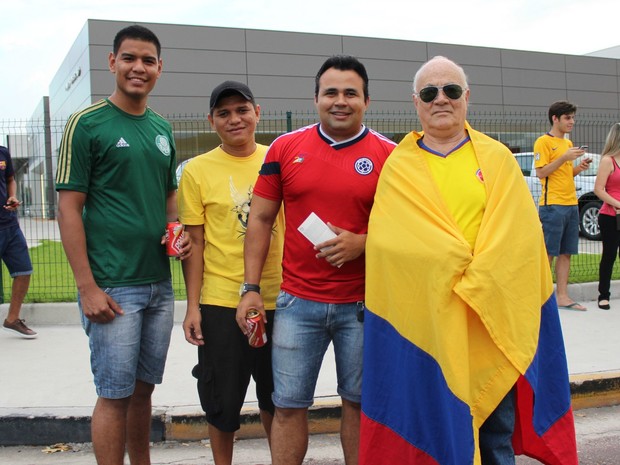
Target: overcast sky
37 34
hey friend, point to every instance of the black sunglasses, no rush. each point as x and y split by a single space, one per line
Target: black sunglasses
429 93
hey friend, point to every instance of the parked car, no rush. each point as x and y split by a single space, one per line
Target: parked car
179 170
589 203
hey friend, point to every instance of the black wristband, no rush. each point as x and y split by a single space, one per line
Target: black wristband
247 287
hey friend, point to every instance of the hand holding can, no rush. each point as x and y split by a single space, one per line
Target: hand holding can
174 233
257 336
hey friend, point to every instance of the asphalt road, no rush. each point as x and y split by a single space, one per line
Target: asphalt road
598 439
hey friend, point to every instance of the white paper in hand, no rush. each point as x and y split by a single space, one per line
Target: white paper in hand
315 230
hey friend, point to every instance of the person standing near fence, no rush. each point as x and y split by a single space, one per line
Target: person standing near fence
607 188
329 169
13 248
215 197
463 354
558 209
117 189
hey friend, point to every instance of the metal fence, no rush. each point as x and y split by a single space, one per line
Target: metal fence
34 147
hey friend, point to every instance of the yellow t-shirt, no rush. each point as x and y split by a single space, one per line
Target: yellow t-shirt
216 191
456 174
559 187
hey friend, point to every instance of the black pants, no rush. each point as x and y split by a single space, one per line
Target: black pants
611 240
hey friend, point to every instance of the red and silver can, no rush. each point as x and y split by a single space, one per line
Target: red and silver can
174 232
257 336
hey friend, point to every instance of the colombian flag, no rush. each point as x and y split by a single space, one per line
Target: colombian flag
451 330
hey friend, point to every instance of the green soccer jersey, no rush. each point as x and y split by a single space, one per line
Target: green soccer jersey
126 166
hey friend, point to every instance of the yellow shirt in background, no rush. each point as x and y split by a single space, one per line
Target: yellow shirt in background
559 187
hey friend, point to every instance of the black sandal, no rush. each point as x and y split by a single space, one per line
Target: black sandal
603 306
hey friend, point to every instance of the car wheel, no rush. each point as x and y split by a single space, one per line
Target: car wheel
588 221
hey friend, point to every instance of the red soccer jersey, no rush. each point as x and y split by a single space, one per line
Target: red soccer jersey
335 180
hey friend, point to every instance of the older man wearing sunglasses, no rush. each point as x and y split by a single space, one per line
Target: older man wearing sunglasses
463 354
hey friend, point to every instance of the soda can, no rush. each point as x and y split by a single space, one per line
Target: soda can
174 232
257 336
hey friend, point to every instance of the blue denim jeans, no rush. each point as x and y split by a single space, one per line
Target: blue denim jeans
302 332
561 228
133 346
496 434
14 251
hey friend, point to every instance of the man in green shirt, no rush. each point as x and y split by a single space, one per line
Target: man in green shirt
117 190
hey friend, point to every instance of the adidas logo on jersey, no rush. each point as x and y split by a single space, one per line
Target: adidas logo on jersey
122 143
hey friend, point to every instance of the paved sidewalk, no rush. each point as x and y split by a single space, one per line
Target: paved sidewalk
47 395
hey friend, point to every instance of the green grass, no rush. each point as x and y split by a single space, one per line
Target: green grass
584 268
52 279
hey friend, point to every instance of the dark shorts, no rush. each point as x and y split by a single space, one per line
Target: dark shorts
14 251
226 362
561 229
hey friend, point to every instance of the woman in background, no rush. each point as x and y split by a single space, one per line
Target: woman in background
607 188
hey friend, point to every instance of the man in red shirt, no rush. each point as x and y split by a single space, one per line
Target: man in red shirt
330 169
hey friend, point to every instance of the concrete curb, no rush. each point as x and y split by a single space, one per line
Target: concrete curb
321 419
587 391
67 313
595 390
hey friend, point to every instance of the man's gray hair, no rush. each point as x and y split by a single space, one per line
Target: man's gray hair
433 60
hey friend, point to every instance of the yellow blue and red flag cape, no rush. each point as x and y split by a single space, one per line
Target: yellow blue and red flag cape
451 330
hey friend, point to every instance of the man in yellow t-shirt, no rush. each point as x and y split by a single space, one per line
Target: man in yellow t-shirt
558 207
215 194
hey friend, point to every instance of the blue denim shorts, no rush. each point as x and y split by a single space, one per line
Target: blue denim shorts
134 345
302 332
561 228
14 251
